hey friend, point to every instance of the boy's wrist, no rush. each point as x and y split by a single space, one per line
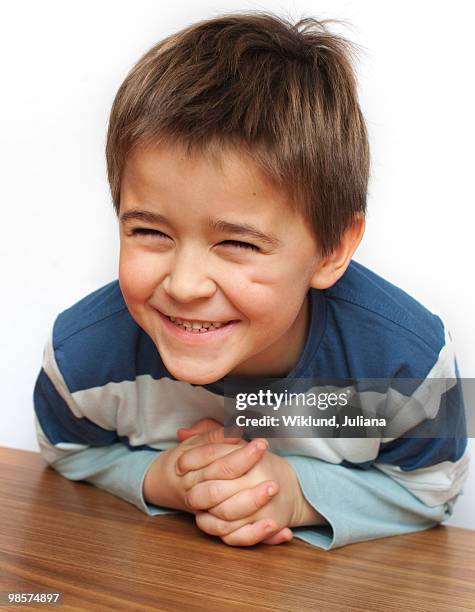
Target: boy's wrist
150 481
304 514
157 488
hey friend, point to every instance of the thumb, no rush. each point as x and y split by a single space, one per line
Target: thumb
183 433
213 435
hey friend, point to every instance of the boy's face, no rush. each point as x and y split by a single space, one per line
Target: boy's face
224 247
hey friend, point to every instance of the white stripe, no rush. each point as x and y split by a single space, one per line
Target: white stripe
149 411
332 450
71 446
433 485
425 401
52 370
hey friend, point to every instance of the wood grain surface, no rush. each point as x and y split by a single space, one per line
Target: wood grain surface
104 554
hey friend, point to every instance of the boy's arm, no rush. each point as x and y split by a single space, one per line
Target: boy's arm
412 484
91 450
367 504
356 504
79 449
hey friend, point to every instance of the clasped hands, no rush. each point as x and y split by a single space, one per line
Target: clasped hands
237 490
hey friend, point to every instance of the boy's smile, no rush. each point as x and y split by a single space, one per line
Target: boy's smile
214 264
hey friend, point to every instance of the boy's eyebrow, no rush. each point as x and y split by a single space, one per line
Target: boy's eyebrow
244 230
147 216
220 225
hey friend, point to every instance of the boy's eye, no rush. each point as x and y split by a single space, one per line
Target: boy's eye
241 245
145 231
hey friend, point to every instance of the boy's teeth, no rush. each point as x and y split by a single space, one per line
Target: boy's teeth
197 326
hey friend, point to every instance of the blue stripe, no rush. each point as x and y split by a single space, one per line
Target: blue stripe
115 349
364 465
414 453
59 423
441 439
97 306
125 440
360 286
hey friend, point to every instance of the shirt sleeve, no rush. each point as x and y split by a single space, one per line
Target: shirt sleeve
411 485
364 504
79 449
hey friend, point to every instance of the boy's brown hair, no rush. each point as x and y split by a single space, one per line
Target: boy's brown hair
285 94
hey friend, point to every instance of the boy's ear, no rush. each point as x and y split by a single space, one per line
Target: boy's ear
332 267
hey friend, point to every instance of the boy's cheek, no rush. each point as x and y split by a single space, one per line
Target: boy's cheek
138 277
131 260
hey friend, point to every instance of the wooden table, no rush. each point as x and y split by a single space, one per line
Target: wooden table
104 554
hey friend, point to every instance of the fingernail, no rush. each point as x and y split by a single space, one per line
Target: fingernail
271 491
289 534
268 528
262 445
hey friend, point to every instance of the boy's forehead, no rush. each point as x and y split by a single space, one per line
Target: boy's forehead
147 160
227 173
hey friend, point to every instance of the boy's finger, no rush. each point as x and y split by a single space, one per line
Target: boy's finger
228 499
209 493
211 436
237 463
244 503
215 526
252 533
183 433
199 457
284 535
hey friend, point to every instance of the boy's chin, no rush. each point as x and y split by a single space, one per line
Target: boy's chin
194 377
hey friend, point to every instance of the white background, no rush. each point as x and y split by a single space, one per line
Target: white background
61 65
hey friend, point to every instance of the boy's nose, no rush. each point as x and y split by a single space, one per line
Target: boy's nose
188 279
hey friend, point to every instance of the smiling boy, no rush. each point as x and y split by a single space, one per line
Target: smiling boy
222 247
238 164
